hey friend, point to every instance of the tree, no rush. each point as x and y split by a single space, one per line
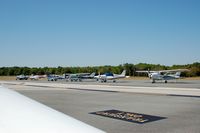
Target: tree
130 68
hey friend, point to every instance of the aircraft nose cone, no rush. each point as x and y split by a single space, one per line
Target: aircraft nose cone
150 75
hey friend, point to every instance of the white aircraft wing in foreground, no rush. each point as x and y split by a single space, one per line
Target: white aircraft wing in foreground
19 114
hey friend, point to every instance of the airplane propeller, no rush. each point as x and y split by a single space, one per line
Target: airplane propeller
149 73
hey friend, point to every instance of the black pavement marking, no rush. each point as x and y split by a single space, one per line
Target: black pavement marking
128 116
42 86
91 90
10 84
183 96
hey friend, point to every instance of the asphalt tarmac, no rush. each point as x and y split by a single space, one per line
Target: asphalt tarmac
180 83
181 112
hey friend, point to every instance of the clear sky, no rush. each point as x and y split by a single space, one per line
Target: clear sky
38 33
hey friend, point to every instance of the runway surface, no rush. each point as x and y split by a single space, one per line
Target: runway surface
181 83
179 103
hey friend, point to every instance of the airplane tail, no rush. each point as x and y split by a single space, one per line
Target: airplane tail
149 74
92 74
177 74
123 73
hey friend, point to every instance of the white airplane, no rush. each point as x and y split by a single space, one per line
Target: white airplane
91 76
79 76
110 76
37 77
20 114
164 75
22 77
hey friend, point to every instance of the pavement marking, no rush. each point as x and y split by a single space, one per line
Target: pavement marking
183 96
128 116
113 88
91 90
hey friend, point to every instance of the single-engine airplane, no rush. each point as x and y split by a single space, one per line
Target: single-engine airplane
164 75
110 76
37 77
80 76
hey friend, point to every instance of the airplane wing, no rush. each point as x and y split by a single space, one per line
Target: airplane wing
174 70
146 71
164 71
82 74
19 114
88 76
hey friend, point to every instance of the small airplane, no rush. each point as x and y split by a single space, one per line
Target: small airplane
110 76
20 114
37 77
52 77
164 75
80 76
22 77
91 76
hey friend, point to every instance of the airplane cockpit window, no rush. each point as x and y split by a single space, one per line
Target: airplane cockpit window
109 74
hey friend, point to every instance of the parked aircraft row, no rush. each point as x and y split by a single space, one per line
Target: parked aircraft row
163 75
81 76
70 77
32 77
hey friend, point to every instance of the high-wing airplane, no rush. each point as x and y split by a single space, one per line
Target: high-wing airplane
36 77
80 76
20 114
164 75
52 77
110 76
91 76
22 77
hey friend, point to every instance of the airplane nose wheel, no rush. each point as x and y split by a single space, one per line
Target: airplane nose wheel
165 81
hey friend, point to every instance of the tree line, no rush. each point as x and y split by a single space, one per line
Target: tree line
130 68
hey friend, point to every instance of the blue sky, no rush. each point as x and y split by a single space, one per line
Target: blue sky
38 33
